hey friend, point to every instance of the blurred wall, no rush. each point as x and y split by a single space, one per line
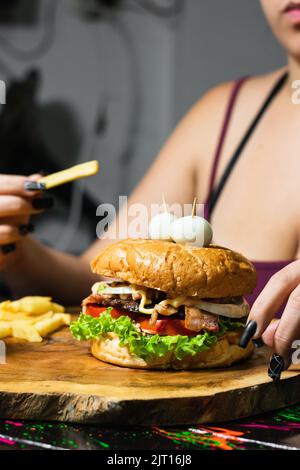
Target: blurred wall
219 41
115 69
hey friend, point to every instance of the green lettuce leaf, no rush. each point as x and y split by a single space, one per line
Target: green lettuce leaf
144 345
226 324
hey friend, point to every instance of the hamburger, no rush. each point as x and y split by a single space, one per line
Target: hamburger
167 306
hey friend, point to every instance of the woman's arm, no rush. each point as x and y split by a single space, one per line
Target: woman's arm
40 270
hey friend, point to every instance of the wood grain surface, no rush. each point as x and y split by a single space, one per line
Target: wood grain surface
59 380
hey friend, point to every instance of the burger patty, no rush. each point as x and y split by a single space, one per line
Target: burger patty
129 305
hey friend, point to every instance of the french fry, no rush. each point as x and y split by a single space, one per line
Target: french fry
9 316
33 305
5 305
5 329
23 330
31 318
76 172
66 318
15 317
48 325
57 308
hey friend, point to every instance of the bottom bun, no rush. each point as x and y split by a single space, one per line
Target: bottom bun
223 354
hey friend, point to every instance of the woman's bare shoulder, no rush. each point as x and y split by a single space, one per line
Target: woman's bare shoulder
261 84
206 115
219 94
214 97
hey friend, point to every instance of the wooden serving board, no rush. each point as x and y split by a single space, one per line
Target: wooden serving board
59 380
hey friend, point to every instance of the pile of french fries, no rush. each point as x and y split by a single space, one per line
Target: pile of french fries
31 318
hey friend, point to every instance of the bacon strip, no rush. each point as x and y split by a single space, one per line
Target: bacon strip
92 299
197 320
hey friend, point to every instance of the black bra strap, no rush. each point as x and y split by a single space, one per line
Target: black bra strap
213 198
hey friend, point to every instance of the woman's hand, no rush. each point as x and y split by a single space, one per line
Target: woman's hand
280 334
16 206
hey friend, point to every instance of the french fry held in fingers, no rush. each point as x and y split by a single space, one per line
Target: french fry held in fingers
83 170
31 318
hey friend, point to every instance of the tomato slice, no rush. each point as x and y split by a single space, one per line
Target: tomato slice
167 327
163 327
96 311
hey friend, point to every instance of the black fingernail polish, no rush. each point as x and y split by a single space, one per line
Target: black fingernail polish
258 343
42 203
34 186
249 332
9 248
26 229
43 172
276 367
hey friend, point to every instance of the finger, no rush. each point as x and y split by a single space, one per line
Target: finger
268 335
32 185
6 252
289 327
20 220
14 185
14 206
11 206
274 296
286 333
35 177
9 234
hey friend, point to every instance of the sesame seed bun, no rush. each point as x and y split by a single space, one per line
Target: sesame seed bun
206 272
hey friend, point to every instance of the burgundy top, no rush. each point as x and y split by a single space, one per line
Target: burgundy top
265 269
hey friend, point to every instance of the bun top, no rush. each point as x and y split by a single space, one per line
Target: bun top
177 269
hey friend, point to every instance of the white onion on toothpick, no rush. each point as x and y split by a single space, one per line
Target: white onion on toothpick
192 230
161 225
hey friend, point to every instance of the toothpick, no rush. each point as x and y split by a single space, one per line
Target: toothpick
164 202
194 207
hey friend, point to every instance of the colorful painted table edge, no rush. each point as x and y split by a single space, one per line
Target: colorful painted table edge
276 430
